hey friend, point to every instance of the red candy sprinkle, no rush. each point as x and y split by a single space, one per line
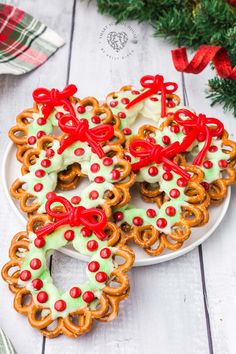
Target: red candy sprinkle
37 284
127 131
69 235
206 185
50 153
92 245
185 130
171 104
115 174
207 164
174 193
101 277
181 182
79 152
121 115
222 163
125 100
32 140
170 211
45 163
167 176
86 232
166 167
95 167
50 195
60 305
213 148
93 195
107 161
75 292
38 187
154 99
58 115
41 121
174 129
166 140
105 253
25 275
128 158
42 297
39 242
113 103
118 216
201 137
75 199
96 119
99 179
151 213
40 134
153 171
81 109
137 221
135 92
151 140
35 263
88 296
161 222
40 173
93 266
65 107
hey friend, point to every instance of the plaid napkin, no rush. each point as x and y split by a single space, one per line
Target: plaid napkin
25 42
5 344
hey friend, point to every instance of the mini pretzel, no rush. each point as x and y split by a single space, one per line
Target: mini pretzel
70 313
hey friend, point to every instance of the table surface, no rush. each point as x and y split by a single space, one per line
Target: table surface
187 305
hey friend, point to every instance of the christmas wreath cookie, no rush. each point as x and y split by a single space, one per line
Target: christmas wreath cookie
155 100
73 311
48 109
110 175
208 147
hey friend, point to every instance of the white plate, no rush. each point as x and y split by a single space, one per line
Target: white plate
11 170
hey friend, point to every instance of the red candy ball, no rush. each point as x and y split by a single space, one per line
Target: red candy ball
93 195
101 277
118 216
135 92
113 104
161 222
39 242
50 153
45 163
137 221
213 148
25 275
121 115
153 171
38 187
115 174
88 296
42 297
40 134
79 152
181 182
92 245
75 292
174 193
170 211
207 164
35 263
32 140
151 139
127 131
37 284
151 213
96 119
201 137
171 104
69 235
167 176
40 173
166 140
105 253
107 161
86 232
75 199
81 109
99 179
222 163
154 99
41 121
60 305
174 129
95 167
206 185
93 266
58 115
125 100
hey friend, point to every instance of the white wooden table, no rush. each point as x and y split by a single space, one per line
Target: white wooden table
184 306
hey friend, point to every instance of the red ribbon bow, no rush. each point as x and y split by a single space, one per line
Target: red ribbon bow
93 219
148 153
54 97
79 130
155 84
198 129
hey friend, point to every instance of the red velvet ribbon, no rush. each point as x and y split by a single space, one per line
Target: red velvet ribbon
93 219
154 84
198 125
78 129
148 153
204 55
54 97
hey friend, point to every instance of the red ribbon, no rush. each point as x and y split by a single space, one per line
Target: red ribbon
93 219
79 130
155 84
148 153
54 97
198 127
204 55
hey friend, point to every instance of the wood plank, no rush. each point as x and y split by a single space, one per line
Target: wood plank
15 95
165 311
218 251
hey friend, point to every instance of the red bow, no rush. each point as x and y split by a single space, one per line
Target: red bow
155 84
198 127
148 153
52 98
79 130
93 219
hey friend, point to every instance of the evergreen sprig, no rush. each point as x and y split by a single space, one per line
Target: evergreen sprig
188 23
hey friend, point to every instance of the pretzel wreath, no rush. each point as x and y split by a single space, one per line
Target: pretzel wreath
180 199
72 312
156 100
49 107
111 175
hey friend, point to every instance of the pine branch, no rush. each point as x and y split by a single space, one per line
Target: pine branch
222 91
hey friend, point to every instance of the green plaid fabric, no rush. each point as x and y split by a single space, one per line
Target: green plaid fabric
25 42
